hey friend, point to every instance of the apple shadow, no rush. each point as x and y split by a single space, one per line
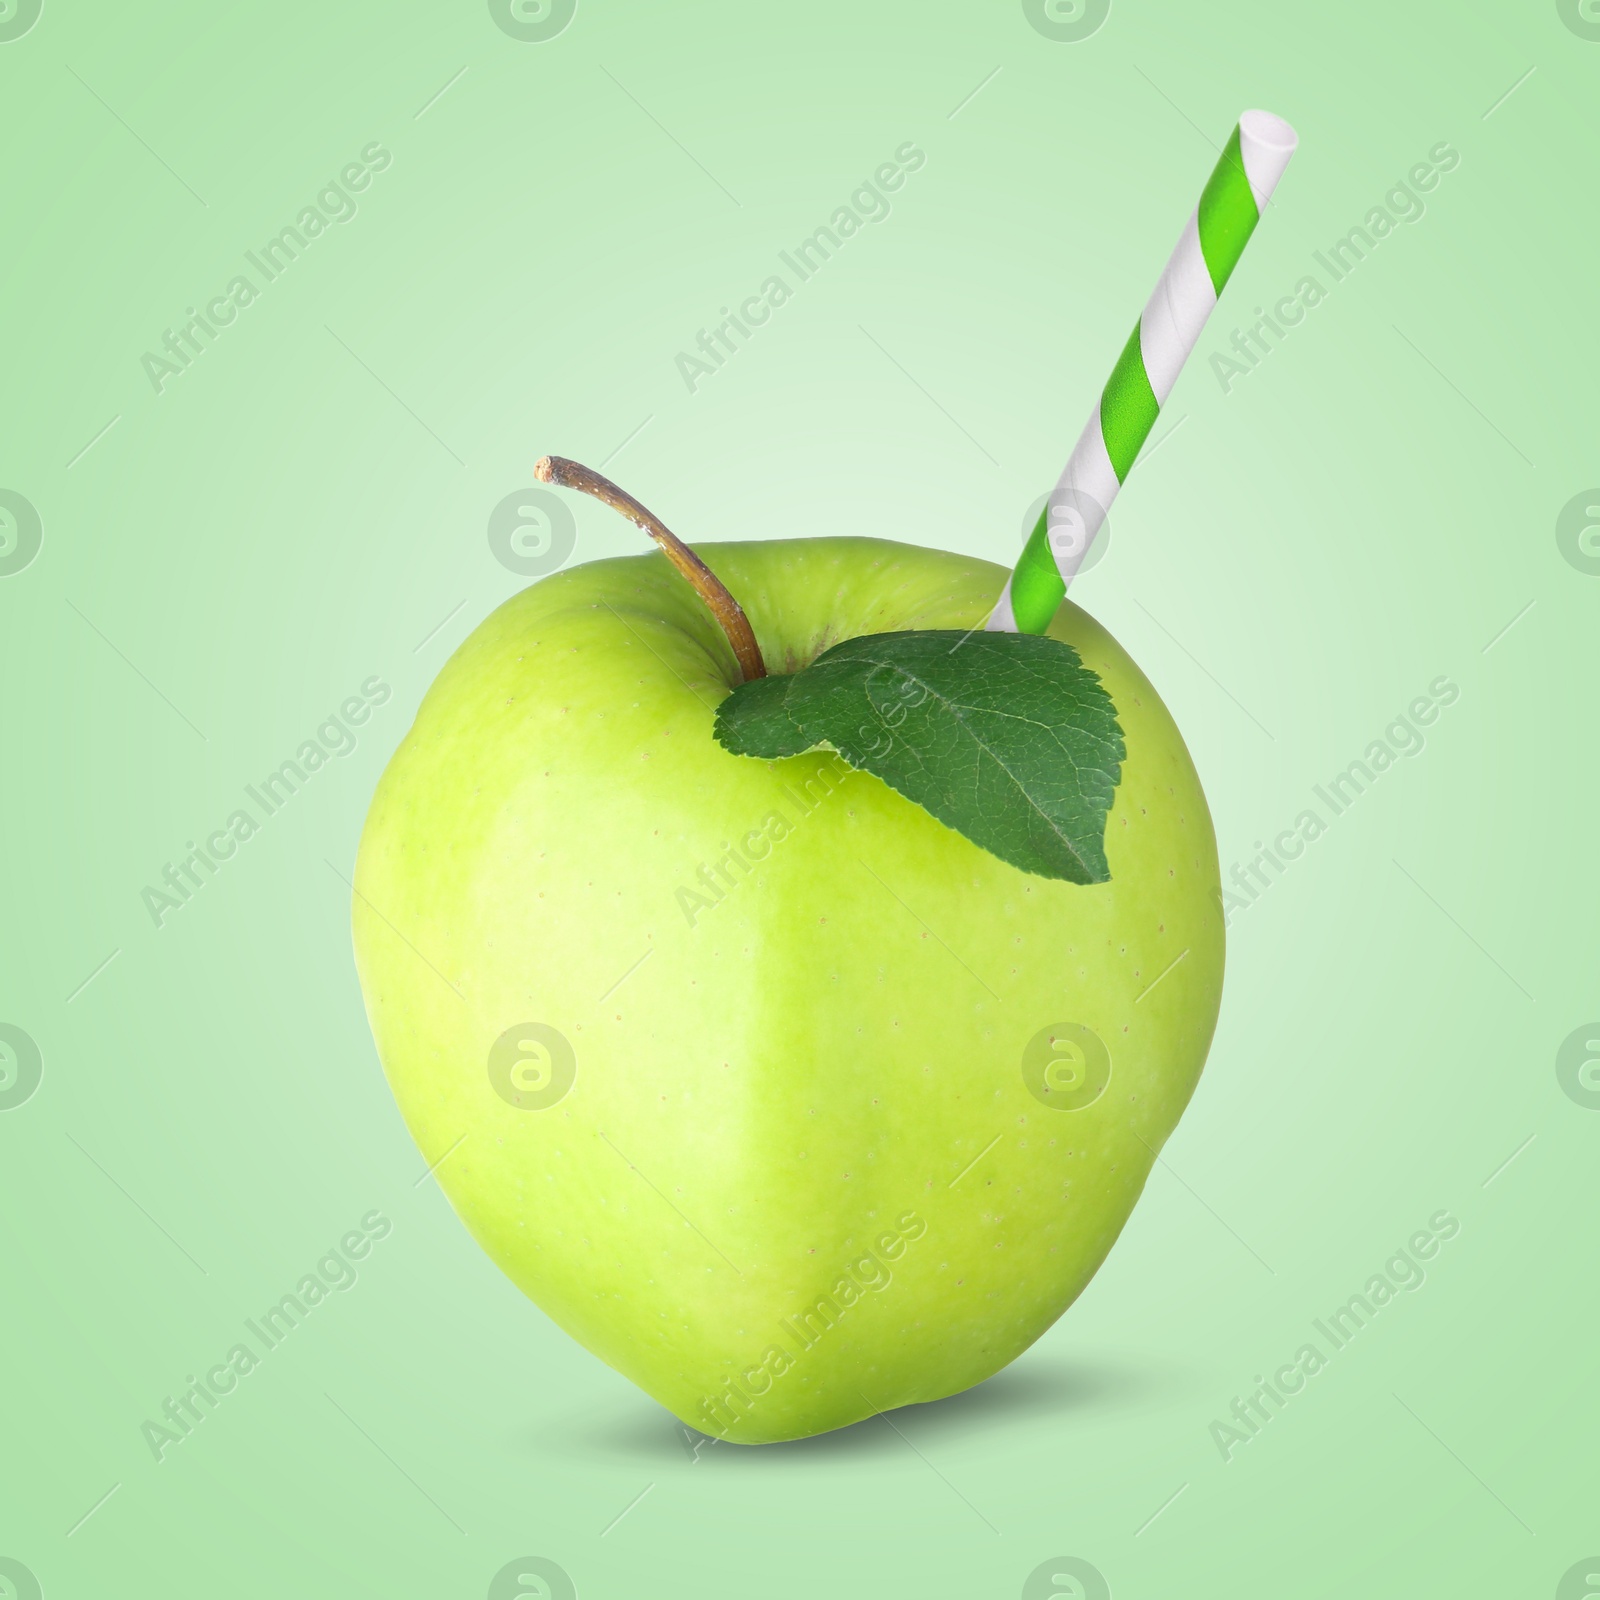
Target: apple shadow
1028 1391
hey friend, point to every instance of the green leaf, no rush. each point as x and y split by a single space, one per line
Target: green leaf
753 722
1006 737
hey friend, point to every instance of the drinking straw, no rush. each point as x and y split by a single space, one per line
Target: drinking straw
1209 249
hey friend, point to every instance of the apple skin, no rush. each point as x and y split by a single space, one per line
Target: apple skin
798 1176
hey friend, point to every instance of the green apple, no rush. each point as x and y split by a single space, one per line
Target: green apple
778 1095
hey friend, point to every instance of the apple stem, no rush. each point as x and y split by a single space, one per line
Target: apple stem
719 602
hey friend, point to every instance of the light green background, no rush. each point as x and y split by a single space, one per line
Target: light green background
307 507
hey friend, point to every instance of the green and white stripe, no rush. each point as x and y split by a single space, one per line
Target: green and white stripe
1207 253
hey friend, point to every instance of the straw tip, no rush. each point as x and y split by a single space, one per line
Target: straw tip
1265 128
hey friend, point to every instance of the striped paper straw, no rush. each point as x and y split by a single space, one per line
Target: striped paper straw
1207 253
